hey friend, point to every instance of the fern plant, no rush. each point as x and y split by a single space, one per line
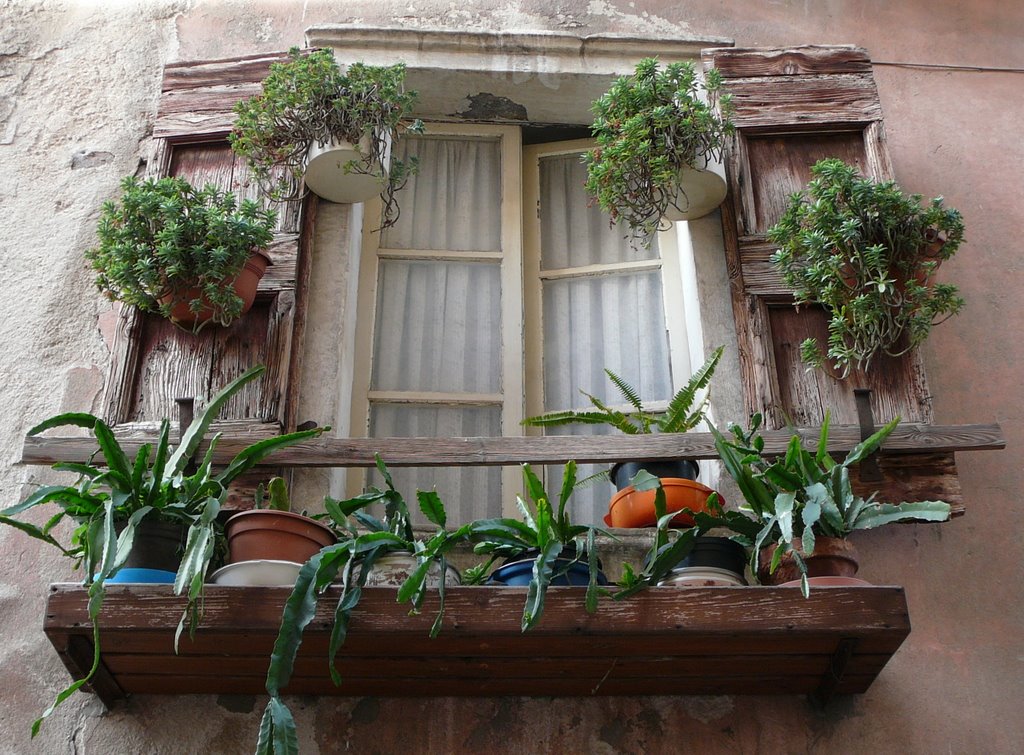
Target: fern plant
679 417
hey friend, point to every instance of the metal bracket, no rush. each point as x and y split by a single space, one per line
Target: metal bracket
869 469
186 412
833 676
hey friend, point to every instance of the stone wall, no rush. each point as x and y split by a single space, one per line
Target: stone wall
78 88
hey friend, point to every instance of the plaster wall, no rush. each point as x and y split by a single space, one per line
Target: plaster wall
78 88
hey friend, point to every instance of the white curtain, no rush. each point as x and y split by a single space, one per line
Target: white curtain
438 322
614 321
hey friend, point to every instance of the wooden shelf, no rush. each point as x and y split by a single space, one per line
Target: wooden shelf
665 641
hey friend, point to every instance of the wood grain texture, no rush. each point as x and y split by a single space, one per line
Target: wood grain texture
739 62
663 641
430 452
773 103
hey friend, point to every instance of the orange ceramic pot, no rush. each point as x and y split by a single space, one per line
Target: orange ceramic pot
267 534
832 557
245 286
632 509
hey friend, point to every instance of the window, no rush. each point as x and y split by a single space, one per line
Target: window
498 294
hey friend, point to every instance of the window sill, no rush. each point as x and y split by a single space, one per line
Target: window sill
665 641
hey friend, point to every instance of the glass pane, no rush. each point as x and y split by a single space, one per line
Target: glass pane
454 202
615 322
468 492
438 327
574 234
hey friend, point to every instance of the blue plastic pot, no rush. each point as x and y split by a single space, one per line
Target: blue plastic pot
518 573
135 574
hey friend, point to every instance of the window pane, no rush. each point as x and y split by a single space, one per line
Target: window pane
454 202
574 234
467 492
438 327
614 321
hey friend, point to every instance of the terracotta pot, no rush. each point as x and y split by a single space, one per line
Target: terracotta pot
832 557
245 286
265 534
632 509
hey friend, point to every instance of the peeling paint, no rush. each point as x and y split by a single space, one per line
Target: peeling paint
486 106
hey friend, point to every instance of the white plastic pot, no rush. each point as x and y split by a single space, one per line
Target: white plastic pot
257 574
326 177
700 192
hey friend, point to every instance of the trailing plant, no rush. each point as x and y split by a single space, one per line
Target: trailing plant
649 126
119 493
166 237
679 417
309 100
802 494
669 547
867 253
545 534
362 539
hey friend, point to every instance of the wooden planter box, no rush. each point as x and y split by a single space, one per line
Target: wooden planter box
665 641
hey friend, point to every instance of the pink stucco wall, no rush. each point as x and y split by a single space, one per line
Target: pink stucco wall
956 684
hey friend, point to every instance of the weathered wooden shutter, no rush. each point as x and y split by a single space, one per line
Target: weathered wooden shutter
793 108
153 361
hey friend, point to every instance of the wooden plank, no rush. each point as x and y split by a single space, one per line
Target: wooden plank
767 103
740 62
663 641
195 74
496 611
424 452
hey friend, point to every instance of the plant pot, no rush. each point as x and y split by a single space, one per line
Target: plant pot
832 557
263 573
699 193
630 508
623 473
829 582
269 535
517 571
392 569
713 562
155 554
326 177
244 285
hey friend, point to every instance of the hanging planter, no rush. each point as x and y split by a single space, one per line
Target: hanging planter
244 286
330 126
194 256
659 147
325 173
699 192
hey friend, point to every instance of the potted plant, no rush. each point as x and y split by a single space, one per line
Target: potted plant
800 508
333 128
363 540
868 254
266 546
631 507
544 548
116 502
193 255
657 136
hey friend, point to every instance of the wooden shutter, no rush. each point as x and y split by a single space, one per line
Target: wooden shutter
793 108
153 361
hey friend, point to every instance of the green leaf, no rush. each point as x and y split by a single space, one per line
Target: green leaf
878 514
76 419
539 581
339 631
254 454
873 443
432 507
676 417
197 430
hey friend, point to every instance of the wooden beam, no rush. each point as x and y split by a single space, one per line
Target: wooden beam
430 452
